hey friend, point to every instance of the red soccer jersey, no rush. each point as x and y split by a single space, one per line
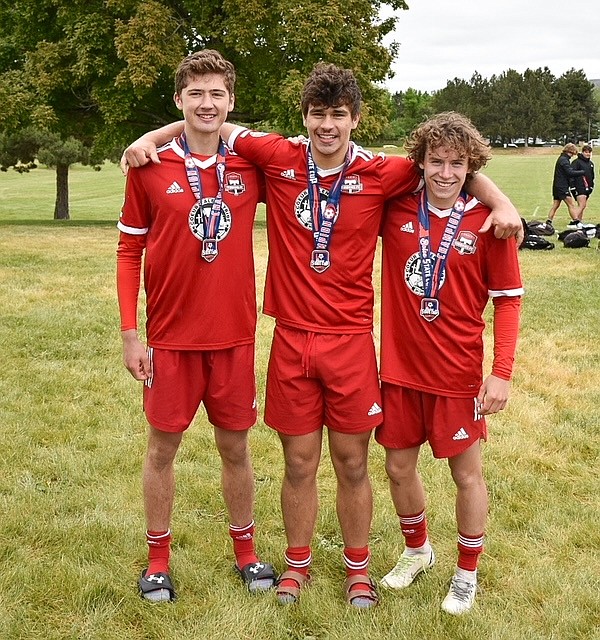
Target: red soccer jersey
444 356
340 299
192 304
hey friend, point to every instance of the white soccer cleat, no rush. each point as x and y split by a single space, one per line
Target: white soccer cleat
407 569
460 598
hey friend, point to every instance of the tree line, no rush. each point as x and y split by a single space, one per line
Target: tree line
80 79
532 106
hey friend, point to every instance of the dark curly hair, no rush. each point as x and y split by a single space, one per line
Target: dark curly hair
330 86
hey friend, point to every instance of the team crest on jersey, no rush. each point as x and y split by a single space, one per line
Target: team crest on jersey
352 184
202 210
465 242
302 208
234 184
413 275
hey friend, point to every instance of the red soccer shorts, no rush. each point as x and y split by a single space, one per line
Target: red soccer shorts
411 418
223 380
317 379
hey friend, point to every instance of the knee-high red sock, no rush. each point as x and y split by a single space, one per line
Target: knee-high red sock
469 550
159 551
243 544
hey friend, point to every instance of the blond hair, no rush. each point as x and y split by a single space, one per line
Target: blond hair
570 148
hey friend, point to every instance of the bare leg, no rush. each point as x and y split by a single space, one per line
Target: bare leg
299 500
553 209
349 454
573 208
354 502
471 515
582 204
159 478
406 487
408 496
237 479
471 495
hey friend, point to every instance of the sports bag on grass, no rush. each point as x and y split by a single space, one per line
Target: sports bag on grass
534 241
576 240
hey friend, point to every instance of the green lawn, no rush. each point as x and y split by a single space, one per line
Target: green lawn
71 536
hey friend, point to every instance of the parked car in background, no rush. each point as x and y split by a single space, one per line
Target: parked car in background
594 142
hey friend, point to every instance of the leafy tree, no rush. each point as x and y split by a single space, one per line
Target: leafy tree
530 105
506 93
594 122
100 71
22 148
409 109
537 104
575 106
457 95
481 101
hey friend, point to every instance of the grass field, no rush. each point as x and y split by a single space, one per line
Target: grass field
73 434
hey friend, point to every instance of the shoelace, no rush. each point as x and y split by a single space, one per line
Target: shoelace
461 589
404 562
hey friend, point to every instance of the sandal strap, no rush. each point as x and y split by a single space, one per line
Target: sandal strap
155 581
257 571
360 579
299 578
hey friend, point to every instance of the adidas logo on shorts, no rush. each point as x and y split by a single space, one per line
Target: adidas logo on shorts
374 410
461 434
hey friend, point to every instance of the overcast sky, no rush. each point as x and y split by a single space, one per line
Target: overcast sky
445 39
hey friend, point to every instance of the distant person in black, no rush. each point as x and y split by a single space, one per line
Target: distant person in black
563 174
583 185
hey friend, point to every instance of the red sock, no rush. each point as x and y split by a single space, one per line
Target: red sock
469 550
159 551
243 544
414 529
356 560
297 559
357 563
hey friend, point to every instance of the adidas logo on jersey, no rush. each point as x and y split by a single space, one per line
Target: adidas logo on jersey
374 410
461 434
408 227
174 188
289 173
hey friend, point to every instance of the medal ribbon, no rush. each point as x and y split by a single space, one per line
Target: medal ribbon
323 219
210 223
432 274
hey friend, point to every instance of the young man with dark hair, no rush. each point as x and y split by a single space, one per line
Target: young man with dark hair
191 217
325 201
439 271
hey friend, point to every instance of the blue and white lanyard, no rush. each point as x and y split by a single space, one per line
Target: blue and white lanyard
323 218
432 267
210 222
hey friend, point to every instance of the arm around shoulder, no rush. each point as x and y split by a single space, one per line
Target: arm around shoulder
142 150
504 216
